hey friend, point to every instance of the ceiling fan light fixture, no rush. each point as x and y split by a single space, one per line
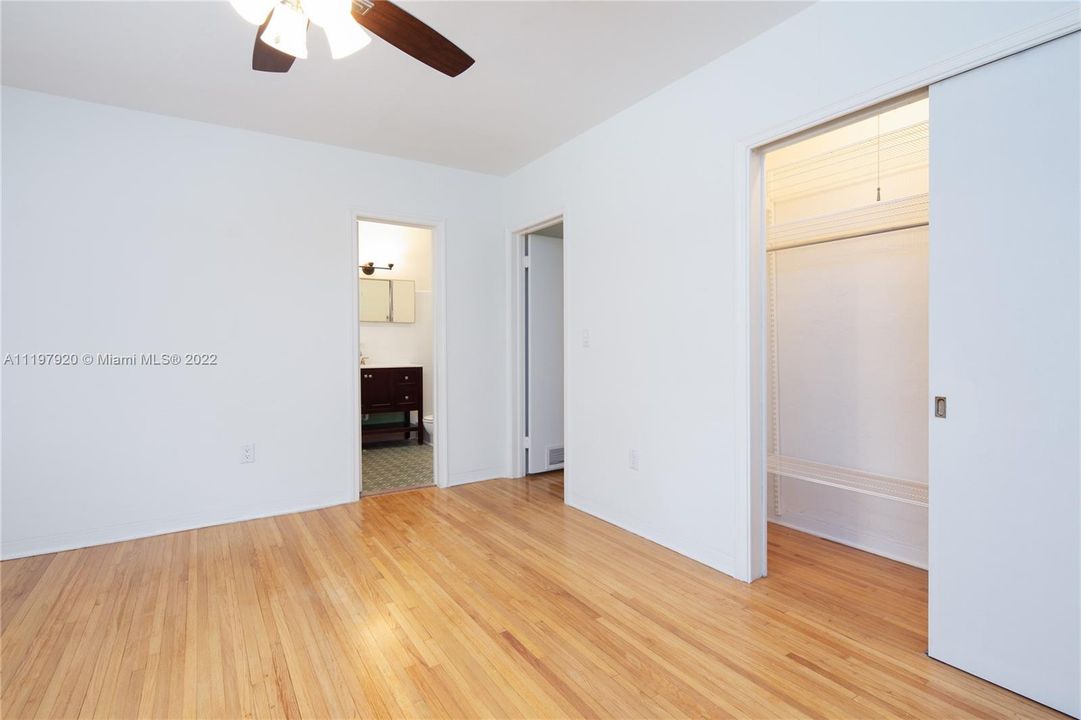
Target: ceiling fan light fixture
282 36
253 11
287 31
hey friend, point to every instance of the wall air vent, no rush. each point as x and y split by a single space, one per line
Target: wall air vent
555 456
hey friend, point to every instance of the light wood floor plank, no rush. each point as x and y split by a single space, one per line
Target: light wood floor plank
490 600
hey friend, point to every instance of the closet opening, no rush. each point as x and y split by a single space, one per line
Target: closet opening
846 231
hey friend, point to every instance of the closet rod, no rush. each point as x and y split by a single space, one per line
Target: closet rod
849 236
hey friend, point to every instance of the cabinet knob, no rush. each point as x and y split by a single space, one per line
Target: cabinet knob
406 377
406 397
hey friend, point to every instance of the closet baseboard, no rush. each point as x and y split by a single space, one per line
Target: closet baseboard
916 557
874 513
871 521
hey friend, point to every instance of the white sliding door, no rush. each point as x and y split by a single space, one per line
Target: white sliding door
544 353
1005 316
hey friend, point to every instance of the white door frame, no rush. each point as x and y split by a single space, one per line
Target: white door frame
439 339
516 332
749 276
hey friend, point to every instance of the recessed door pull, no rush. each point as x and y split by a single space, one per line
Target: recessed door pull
940 406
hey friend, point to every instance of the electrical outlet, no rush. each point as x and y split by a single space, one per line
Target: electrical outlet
632 461
585 338
247 453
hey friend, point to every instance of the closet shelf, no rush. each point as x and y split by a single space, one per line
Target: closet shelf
890 153
906 491
879 217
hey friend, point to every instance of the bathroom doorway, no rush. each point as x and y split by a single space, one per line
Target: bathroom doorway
396 332
541 439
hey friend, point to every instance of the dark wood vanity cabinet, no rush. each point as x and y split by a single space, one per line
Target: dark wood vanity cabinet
392 390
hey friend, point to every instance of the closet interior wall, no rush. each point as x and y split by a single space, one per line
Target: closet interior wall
847 233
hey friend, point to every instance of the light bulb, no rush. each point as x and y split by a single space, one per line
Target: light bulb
287 31
253 11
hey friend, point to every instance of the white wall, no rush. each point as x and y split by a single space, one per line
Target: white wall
852 350
852 365
127 232
649 199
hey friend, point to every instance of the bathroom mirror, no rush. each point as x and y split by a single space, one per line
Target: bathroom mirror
402 301
375 300
387 301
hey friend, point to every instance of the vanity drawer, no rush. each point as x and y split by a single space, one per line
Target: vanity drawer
407 395
408 375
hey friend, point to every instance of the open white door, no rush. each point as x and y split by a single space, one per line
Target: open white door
544 353
1005 351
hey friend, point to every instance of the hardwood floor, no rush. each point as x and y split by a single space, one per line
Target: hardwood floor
487 600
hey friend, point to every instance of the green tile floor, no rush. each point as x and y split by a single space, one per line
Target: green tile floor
395 466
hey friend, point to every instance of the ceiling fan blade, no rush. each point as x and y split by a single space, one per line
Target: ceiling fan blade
411 36
267 58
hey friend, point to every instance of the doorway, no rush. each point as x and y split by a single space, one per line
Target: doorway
396 358
847 228
538 270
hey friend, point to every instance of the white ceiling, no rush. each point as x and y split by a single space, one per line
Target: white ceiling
545 71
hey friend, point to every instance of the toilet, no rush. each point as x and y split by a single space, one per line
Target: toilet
429 427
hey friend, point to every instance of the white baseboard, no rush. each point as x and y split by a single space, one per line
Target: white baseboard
878 514
907 554
44 544
472 476
711 557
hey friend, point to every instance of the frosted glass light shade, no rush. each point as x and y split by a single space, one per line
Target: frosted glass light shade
287 31
253 11
345 37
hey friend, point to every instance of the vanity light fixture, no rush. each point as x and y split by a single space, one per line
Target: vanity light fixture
369 267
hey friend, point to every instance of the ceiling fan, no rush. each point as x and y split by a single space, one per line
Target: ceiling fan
283 30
